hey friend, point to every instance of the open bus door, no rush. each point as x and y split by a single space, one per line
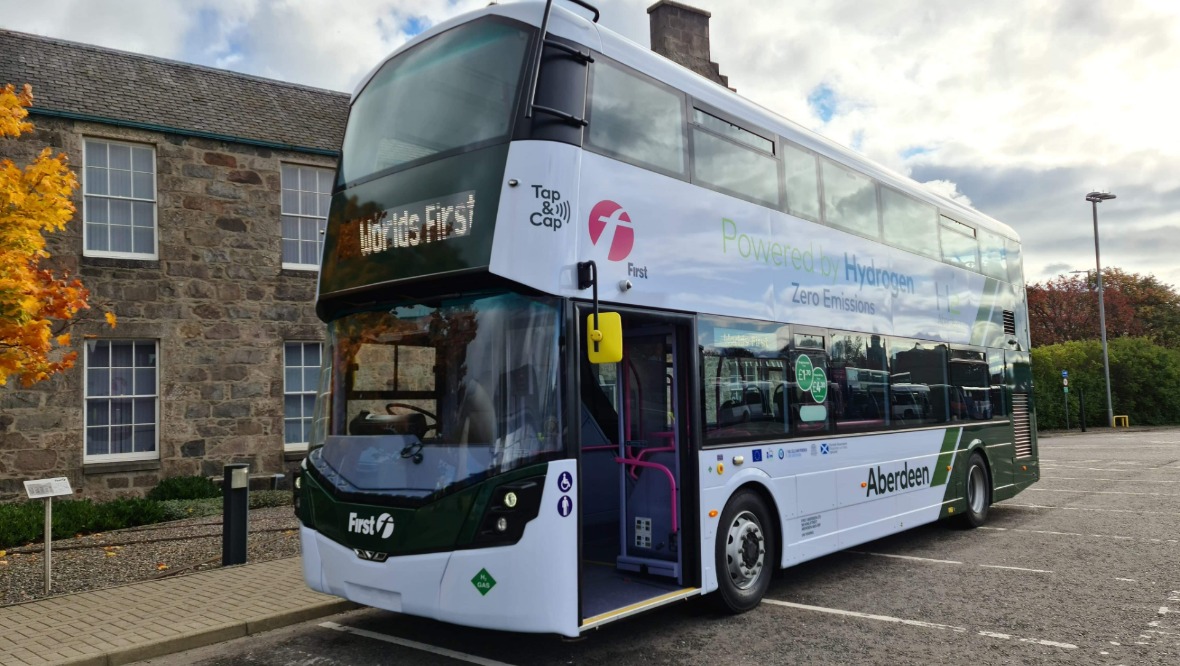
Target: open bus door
636 549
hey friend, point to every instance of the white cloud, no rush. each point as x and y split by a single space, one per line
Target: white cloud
1017 107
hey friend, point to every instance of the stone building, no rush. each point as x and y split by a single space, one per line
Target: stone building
202 197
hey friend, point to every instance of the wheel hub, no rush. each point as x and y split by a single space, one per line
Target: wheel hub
745 550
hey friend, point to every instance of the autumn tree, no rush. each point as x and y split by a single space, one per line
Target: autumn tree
36 305
1065 308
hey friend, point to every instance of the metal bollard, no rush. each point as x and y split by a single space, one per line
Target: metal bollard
235 493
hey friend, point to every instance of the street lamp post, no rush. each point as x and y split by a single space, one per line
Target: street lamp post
1094 198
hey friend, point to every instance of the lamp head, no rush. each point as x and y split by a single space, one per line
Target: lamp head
1097 196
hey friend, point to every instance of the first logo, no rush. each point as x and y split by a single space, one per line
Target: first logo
605 214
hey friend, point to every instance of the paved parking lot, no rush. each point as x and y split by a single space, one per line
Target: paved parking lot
1082 568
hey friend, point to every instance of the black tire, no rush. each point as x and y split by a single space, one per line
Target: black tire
745 556
977 491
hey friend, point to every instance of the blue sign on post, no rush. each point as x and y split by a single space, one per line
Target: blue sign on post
1064 373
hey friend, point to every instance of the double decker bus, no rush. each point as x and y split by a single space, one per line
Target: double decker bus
602 336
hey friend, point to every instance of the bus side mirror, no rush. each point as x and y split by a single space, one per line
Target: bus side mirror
604 345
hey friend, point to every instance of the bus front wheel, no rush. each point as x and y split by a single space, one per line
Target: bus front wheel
745 556
978 492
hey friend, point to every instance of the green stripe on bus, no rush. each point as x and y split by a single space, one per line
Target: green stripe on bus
941 470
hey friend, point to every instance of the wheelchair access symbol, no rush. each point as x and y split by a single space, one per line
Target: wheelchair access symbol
565 482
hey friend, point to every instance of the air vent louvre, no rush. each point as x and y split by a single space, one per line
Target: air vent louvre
1020 422
1009 322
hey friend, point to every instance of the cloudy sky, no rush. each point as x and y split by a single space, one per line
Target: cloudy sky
1019 107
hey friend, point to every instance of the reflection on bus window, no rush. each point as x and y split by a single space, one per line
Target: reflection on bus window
992 255
995 371
918 389
850 200
970 392
745 374
959 245
637 120
860 382
802 176
908 223
432 397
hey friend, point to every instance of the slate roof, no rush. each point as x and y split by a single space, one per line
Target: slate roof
100 83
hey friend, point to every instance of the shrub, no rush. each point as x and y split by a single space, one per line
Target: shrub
181 509
130 512
24 522
261 499
20 523
184 488
1144 378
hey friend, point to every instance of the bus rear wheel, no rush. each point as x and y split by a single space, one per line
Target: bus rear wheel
745 556
978 492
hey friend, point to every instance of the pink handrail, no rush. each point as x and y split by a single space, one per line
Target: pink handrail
670 447
671 482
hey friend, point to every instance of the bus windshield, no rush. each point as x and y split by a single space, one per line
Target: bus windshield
426 398
456 90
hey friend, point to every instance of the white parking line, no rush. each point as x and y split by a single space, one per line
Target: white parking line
1101 492
1038 641
1089 469
934 561
469 658
1082 508
1082 478
905 557
1079 534
998 566
915 623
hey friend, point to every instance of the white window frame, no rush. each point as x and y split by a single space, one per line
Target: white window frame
307 389
87 184
300 214
154 454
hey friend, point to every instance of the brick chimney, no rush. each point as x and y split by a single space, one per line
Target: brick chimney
681 34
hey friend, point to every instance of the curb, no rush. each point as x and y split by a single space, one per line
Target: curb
211 635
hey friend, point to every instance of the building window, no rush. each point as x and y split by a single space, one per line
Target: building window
301 373
306 194
119 186
122 398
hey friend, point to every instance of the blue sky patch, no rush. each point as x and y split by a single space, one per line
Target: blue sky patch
913 151
415 25
822 101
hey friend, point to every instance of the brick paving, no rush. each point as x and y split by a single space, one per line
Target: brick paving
120 625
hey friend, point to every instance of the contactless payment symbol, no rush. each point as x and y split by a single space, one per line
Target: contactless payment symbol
565 482
606 215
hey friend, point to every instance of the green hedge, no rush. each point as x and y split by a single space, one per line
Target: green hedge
24 522
1144 380
184 488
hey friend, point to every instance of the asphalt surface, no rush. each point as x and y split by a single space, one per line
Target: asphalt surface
1083 568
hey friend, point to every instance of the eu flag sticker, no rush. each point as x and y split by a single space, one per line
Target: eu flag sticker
757 455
